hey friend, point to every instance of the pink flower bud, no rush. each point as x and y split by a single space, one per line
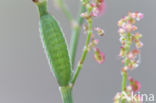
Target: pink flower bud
96 41
134 84
117 97
135 52
131 55
99 56
139 44
138 35
120 22
139 16
99 9
85 15
122 52
132 15
121 31
124 69
100 31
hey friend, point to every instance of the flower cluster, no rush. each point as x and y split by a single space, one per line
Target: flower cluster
128 37
128 95
94 8
130 56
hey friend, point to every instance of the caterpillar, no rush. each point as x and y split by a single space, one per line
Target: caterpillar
54 44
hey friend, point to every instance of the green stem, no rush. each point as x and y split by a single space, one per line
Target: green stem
85 51
124 74
75 36
65 10
124 79
66 93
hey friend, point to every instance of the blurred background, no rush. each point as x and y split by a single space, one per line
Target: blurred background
25 76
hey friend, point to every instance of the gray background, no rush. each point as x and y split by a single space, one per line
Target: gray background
25 76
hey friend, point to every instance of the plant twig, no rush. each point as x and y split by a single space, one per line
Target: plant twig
65 10
75 36
66 93
85 51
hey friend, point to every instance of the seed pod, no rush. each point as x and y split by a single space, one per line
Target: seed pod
54 44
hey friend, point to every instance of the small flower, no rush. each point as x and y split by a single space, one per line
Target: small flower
134 84
125 68
138 99
99 56
85 28
132 64
117 97
85 15
99 31
122 40
96 41
99 9
138 36
136 15
132 15
120 22
133 54
129 27
92 44
139 16
95 12
121 31
122 52
139 44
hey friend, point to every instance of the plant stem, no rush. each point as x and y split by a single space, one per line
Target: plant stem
65 10
75 36
124 74
124 79
85 51
66 93
76 29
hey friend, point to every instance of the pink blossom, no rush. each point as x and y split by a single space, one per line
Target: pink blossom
117 97
99 56
130 55
129 27
138 35
134 84
122 52
99 31
125 68
139 44
96 41
121 31
133 53
132 15
85 15
139 16
99 9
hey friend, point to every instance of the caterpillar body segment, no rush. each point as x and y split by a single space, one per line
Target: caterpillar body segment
55 45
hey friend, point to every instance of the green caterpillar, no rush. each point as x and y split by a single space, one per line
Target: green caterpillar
54 44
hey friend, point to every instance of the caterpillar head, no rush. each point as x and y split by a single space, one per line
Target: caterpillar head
38 1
